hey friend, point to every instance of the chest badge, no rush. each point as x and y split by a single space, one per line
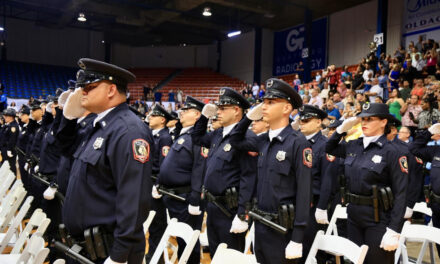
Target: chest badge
227 147
13 129
180 141
98 143
377 159
281 155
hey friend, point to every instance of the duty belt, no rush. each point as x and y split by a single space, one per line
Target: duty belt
359 199
435 198
269 216
177 190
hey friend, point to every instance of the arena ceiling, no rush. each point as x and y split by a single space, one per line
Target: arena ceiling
169 22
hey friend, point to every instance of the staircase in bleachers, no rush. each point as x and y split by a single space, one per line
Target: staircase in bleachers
23 80
201 83
147 76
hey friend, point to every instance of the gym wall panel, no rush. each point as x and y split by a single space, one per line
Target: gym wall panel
394 31
267 55
350 31
237 59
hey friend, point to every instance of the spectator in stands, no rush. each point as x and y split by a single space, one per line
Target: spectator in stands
146 91
262 91
306 99
405 91
342 89
411 110
296 82
437 71
3 101
171 96
366 74
255 90
337 100
324 91
395 103
179 96
250 98
332 77
316 100
358 80
431 58
404 134
14 106
375 90
418 63
394 76
318 76
332 112
158 96
418 89
429 115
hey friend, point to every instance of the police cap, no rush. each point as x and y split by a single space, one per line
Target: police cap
276 88
334 123
94 71
71 84
174 115
25 110
9 112
376 109
229 96
36 105
160 111
310 111
193 103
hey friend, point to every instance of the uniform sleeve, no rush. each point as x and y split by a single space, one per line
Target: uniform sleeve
199 135
165 143
415 180
248 177
418 146
329 177
199 159
130 163
66 134
335 147
238 135
12 139
303 169
399 181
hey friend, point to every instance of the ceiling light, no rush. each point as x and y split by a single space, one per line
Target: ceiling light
82 17
207 12
234 33
2 28
102 41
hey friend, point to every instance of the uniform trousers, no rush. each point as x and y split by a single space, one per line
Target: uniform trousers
435 207
158 226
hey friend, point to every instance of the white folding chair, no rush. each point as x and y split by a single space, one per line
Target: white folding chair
226 255
423 208
12 233
338 246
147 222
176 229
4 168
10 206
34 253
339 213
38 221
5 184
419 233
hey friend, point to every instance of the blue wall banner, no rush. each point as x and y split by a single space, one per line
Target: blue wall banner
289 46
420 16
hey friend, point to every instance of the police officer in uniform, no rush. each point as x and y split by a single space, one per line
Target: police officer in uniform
324 174
172 124
106 198
431 154
230 173
284 177
22 141
377 179
181 173
9 139
158 119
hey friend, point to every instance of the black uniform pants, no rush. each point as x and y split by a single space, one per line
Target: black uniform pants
218 226
23 173
435 207
270 245
12 164
179 210
158 226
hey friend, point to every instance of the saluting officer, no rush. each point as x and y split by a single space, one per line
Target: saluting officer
324 173
9 139
182 173
172 124
230 173
431 154
158 119
284 177
22 142
377 178
111 168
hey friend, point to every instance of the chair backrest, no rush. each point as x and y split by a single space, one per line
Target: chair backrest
34 252
13 228
39 221
149 220
339 213
10 206
226 255
5 184
423 208
59 261
420 233
4 168
181 230
337 246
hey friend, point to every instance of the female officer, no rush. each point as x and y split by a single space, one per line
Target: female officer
377 177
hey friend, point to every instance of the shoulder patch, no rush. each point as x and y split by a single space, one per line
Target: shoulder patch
252 154
307 157
165 150
419 160
403 162
204 152
141 150
330 157
13 129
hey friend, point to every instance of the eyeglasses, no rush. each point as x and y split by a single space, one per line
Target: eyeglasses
304 121
223 107
89 87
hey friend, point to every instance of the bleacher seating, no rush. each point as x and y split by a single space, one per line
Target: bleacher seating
23 80
147 76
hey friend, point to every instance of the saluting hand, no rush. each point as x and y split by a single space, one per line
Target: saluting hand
255 113
209 110
434 129
73 108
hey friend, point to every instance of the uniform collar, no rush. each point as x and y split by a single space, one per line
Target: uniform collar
377 140
106 119
228 129
313 137
280 133
185 129
156 131
102 115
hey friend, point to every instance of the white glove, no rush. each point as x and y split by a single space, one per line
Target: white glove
49 193
9 153
72 108
346 125
49 107
408 213
110 261
194 210
434 129
209 110
321 216
155 193
36 169
295 123
390 240
294 250
26 166
255 113
63 97
238 226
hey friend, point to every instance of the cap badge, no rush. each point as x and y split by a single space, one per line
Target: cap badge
269 83
301 109
281 155
110 78
222 91
332 121
180 141
98 143
227 147
81 65
377 159
366 106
